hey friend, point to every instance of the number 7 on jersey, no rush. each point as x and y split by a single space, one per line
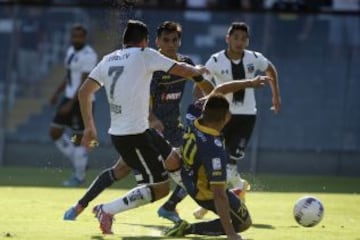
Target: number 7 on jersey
115 72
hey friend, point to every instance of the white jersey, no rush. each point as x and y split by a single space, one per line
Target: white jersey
220 67
126 75
77 63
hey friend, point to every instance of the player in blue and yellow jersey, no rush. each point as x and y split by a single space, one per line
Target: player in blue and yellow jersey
166 93
204 174
166 89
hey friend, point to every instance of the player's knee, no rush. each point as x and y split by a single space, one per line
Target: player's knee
120 169
245 225
161 190
173 161
55 133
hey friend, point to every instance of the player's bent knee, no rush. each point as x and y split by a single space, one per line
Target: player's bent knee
173 161
161 190
121 169
245 225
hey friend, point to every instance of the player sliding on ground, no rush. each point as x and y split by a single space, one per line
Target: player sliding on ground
203 173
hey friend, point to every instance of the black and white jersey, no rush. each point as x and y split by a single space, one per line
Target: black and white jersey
78 62
223 69
126 75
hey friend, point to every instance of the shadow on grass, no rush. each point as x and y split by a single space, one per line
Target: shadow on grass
262 226
98 237
160 228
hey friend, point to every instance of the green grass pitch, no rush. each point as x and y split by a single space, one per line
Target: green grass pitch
32 204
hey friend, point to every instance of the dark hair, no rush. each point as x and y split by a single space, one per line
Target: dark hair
79 27
169 27
238 26
216 108
135 32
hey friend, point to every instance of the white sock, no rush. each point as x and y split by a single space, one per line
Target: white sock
65 146
233 176
80 159
135 198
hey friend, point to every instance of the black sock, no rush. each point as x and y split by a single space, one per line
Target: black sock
177 196
210 228
104 180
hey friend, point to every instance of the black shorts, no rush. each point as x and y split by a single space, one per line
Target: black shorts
237 133
238 210
174 134
145 154
71 120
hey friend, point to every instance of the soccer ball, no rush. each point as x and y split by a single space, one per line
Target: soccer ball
308 211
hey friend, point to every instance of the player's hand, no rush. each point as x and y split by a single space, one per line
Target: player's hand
89 138
66 108
157 125
260 81
276 104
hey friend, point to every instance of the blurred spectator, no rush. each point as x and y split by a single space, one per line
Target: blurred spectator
344 32
196 3
29 54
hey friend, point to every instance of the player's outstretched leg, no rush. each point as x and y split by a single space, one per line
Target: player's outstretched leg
168 209
103 181
240 217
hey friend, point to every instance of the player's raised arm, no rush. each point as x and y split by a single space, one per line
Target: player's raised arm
276 98
236 85
189 72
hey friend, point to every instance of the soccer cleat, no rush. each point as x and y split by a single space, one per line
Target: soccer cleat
178 230
200 212
73 182
170 215
105 219
73 212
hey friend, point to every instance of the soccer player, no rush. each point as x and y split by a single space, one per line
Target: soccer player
126 75
166 93
79 61
204 173
236 62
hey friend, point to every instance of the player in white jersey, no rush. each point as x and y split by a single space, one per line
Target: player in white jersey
79 61
236 62
126 75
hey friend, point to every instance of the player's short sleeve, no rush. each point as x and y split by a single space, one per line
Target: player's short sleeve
89 62
214 160
153 86
155 61
97 73
262 62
